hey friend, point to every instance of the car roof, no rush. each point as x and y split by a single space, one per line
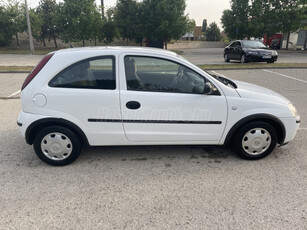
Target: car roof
118 49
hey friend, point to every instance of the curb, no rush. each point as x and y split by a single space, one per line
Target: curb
15 71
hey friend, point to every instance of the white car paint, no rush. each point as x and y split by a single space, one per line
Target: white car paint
79 105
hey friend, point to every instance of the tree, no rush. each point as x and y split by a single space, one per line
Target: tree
75 20
16 12
109 30
213 32
235 20
6 27
48 30
204 26
289 14
128 19
261 19
165 19
191 24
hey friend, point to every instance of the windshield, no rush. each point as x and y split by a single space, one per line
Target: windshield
253 44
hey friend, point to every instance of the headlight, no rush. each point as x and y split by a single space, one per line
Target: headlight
274 53
252 52
292 109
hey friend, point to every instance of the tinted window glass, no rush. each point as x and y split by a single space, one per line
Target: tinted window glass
233 44
154 74
94 73
253 44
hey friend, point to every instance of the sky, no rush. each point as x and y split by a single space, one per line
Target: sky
197 9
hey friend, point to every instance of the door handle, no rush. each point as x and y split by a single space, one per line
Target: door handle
133 105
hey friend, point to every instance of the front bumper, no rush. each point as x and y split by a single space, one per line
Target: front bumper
260 58
291 125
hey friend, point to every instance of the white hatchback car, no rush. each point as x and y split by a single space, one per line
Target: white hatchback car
142 96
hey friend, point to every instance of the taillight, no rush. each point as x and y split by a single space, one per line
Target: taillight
36 70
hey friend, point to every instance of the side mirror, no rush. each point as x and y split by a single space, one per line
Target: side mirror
208 89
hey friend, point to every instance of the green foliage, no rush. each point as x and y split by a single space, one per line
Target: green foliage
213 32
165 19
16 12
255 18
204 26
191 24
47 29
76 20
128 18
235 20
6 27
109 30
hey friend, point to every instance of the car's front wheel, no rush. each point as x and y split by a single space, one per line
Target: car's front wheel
226 58
255 140
57 145
243 58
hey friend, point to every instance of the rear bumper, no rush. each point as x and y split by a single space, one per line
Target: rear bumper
25 120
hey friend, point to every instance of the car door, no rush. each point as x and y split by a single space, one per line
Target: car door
231 50
237 51
86 93
163 101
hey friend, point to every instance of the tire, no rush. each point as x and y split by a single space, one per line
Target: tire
226 58
270 61
56 145
255 140
243 58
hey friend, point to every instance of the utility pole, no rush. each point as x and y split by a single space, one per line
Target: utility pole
29 29
102 9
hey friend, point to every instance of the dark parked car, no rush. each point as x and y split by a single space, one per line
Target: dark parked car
249 51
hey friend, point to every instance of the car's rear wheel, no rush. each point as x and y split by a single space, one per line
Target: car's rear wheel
57 145
255 140
226 58
270 61
243 58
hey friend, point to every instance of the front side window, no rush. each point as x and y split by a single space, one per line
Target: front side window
93 73
160 75
233 44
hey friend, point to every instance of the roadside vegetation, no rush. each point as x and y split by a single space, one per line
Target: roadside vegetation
153 21
257 18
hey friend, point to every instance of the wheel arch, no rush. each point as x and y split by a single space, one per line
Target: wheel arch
272 120
46 122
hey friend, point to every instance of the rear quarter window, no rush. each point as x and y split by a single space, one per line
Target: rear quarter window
93 73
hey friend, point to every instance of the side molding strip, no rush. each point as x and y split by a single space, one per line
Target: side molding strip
155 121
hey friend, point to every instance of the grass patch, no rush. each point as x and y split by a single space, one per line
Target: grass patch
177 51
40 51
253 66
15 68
205 67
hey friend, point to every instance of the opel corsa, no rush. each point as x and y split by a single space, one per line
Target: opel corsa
141 96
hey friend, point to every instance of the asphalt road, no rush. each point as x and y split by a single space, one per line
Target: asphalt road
157 187
197 56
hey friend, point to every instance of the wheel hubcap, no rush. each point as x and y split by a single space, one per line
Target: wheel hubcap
56 146
256 141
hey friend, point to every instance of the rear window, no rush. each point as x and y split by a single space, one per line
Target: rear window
36 70
93 73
